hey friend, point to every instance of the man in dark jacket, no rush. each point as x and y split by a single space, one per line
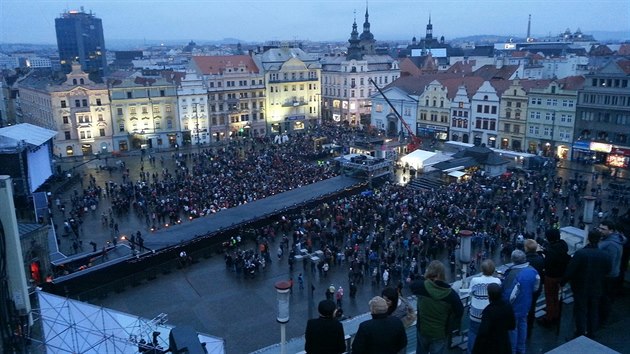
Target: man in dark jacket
556 260
497 320
439 309
383 334
586 273
325 335
612 243
537 261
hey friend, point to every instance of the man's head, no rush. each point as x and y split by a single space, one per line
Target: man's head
326 308
487 267
435 271
594 236
518 257
530 245
552 235
378 306
606 227
494 292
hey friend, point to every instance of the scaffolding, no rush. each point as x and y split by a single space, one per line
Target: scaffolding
70 326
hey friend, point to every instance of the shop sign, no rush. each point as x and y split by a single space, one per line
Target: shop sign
620 151
600 147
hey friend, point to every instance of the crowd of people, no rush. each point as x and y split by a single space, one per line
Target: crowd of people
390 236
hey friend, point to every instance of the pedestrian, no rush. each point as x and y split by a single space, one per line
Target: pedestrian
325 335
339 297
534 257
382 334
519 284
586 273
439 309
612 243
497 320
479 299
556 260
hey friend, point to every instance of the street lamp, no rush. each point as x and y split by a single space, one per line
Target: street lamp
464 251
283 287
196 124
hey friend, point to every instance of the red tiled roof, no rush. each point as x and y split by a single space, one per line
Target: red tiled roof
534 84
624 49
489 72
462 67
572 82
211 65
624 65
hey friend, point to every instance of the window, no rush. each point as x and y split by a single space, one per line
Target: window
100 118
77 103
509 103
63 104
65 120
479 108
517 129
66 135
494 109
101 132
84 102
508 114
129 94
518 105
121 127
486 109
167 108
145 110
132 110
98 101
379 108
156 109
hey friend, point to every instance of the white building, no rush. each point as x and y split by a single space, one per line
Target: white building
192 104
485 115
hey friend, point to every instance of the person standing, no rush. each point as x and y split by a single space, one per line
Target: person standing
537 261
383 334
479 298
325 335
519 284
612 243
556 260
497 320
439 309
586 273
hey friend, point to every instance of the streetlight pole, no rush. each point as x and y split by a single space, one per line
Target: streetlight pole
197 125
283 287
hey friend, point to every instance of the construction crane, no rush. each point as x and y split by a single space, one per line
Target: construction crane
415 142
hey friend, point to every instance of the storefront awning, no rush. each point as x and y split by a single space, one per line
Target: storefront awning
457 174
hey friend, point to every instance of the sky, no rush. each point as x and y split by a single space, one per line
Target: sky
33 21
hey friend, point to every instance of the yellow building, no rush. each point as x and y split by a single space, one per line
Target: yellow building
293 90
78 109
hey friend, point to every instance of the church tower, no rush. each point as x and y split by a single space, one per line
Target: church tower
354 50
367 38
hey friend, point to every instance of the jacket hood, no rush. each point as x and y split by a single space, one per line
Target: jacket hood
437 289
616 238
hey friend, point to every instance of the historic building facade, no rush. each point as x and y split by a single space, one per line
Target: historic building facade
192 105
551 113
602 129
512 117
236 95
144 113
78 109
293 80
346 85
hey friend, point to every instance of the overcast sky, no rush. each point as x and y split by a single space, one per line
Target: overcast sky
33 21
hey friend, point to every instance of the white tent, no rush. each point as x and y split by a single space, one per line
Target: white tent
417 158
72 326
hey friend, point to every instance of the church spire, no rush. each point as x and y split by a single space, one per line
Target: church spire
429 35
354 50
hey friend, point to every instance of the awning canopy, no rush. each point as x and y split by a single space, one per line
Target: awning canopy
417 158
457 174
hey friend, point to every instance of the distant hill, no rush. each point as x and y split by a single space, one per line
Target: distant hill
127 44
